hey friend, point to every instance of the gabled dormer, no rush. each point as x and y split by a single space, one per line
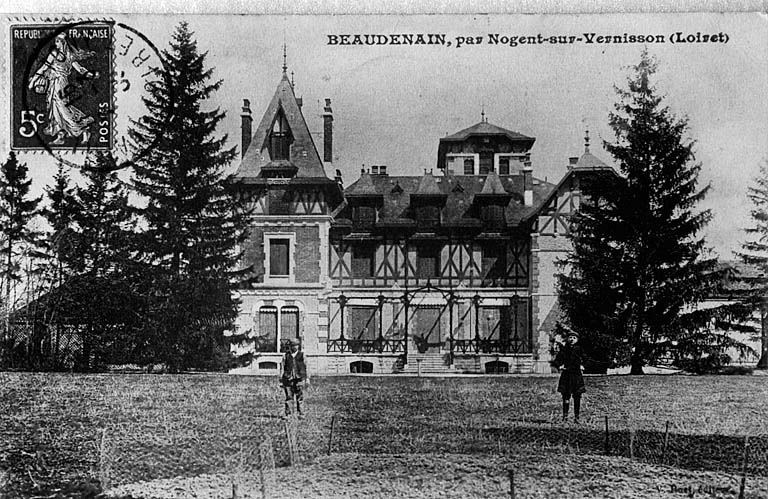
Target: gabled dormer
364 202
483 148
491 203
427 202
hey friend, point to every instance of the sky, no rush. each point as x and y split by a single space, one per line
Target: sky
392 103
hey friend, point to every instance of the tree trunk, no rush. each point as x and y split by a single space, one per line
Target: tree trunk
763 362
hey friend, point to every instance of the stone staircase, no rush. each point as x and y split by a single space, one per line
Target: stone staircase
427 363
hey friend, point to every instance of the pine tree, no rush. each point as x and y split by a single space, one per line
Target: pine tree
755 252
192 223
17 209
639 265
101 293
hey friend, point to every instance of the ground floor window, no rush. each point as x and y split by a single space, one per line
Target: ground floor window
266 340
363 322
276 324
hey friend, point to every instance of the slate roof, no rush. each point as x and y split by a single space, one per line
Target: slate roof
459 192
589 160
304 155
485 128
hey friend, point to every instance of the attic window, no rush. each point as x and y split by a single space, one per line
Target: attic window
280 138
458 187
397 189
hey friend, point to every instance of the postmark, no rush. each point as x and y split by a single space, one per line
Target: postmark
69 82
62 95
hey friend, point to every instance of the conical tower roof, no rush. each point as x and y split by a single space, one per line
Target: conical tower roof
304 157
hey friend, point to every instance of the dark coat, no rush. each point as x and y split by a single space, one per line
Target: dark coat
299 370
571 380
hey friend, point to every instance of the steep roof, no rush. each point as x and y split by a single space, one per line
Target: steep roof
485 128
589 160
493 186
363 187
428 186
459 192
304 154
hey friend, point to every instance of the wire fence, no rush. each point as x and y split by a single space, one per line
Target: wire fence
241 460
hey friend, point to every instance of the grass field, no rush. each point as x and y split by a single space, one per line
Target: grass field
394 436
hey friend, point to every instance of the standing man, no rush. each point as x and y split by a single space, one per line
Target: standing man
292 379
571 382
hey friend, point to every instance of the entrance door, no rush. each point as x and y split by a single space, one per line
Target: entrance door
427 330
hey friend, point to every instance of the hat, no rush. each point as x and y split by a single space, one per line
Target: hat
293 341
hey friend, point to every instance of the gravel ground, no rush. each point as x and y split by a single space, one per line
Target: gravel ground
460 476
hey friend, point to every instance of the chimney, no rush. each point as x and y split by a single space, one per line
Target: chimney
527 184
374 169
338 179
300 101
383 170
572 162
328 132
245 126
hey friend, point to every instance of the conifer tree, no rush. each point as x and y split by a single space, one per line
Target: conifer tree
755 252
101 292
639 265
192 223
17 209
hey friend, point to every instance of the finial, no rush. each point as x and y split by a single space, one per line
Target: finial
586 141
293 84
482 113
285 58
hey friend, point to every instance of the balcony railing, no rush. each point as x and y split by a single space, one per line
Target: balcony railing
480 345
379 345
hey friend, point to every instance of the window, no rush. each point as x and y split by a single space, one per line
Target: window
279 257
486 163
363 322
428 262
428 215
495 262
266 341
503 165
362 260
364 215
280 139
469 166
289 325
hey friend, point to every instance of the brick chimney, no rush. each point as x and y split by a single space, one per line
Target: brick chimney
572 162
527 184
246 126
328 132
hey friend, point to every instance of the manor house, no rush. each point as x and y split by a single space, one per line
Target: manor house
451 269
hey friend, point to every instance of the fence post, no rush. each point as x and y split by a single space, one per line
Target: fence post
103 465
666 444
289 439
743 487
512 483
330 437
607 444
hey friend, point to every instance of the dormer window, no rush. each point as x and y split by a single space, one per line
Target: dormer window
364 215
280 139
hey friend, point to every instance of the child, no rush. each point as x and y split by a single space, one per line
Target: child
293 376
571 382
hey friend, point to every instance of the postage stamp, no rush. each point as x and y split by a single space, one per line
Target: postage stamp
62 93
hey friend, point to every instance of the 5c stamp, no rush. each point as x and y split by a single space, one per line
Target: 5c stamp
62 96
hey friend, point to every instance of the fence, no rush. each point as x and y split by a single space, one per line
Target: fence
241 461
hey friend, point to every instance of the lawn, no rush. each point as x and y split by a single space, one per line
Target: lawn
405 437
